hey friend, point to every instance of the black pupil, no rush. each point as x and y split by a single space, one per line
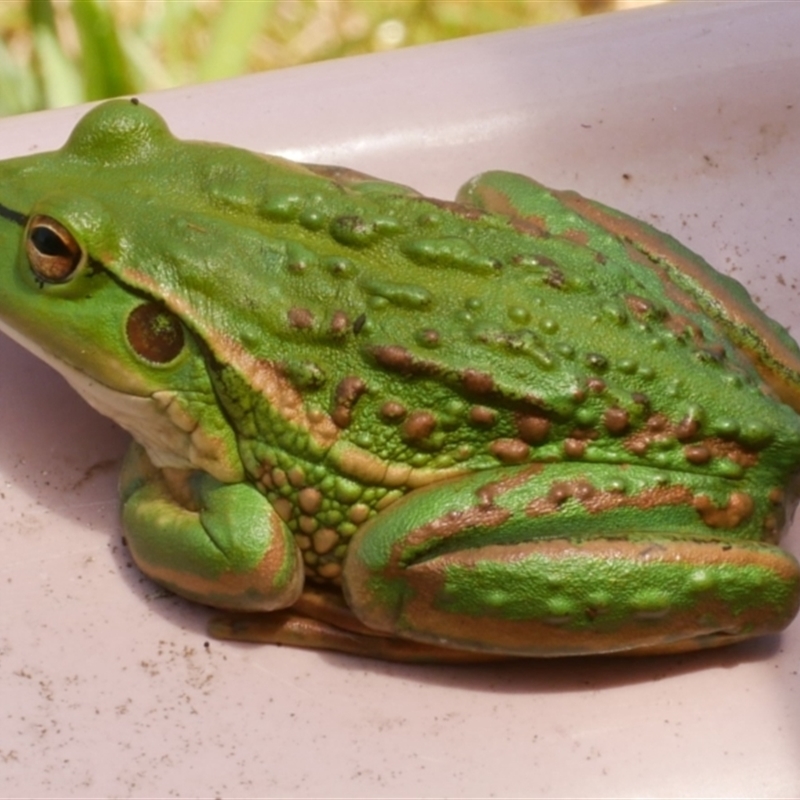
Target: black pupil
48 243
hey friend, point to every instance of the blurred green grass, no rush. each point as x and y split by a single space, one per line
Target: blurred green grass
61 52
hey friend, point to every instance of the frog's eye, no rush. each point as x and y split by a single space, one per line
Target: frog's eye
53 252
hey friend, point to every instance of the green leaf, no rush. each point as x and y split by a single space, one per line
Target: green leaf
237 26
106 70
56 75
19 90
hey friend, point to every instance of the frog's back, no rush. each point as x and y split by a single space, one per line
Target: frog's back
437 334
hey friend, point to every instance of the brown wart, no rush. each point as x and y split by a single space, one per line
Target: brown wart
574 448
510 451
777 496
324 540
359 513
418 426
476 382
392 411
644 309
532 428
330 570
657 428
396 358
309 500
595 385
296 476
616 420
482 416
300 318
346 395
339 324
688 427
697 454
738 509
721 448
284 508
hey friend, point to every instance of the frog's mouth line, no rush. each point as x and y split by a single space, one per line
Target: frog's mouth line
13 216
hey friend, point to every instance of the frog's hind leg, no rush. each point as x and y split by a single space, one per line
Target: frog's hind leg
568 559
321 620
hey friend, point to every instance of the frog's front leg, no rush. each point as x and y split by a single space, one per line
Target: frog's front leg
215 543
562 559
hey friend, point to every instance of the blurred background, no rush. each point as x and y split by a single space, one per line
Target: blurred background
62 52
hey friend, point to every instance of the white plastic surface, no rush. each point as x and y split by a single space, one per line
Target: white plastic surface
687 115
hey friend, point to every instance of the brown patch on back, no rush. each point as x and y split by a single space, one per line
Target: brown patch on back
658 428
595 501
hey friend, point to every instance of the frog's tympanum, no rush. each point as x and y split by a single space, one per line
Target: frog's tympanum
518 424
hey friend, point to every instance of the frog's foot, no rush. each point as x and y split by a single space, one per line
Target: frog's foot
568 559
215 543
321 620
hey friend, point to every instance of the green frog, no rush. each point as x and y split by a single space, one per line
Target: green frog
518 424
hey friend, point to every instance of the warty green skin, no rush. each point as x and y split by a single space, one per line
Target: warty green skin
520 424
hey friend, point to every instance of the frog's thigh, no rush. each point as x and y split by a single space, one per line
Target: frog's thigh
219 544
511 194
543 561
